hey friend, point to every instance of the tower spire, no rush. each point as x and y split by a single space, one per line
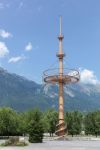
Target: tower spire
60 54
60 25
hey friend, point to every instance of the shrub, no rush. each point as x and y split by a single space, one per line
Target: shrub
35 128
14 141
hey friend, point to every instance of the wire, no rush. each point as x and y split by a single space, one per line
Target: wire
66 63
53 64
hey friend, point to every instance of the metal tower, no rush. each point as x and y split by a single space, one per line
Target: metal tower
61 76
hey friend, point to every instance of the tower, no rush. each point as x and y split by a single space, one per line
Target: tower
61 125
61 76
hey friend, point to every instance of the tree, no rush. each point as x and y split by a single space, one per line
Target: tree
50 121
22 123
74 122
9 122
35 126
92 123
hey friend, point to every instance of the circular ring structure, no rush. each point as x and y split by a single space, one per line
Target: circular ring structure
68 76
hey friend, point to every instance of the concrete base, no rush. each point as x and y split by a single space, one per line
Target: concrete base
61 138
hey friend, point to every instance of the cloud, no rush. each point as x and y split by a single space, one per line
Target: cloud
3 49
4 5
88 77
16 59
5 34
39 8
29 47
1 6
21 4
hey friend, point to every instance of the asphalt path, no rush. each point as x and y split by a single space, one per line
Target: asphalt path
59 145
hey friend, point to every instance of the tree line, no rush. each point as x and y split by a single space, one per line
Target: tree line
34 123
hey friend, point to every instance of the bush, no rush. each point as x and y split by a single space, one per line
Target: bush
13 141
35 139
21 144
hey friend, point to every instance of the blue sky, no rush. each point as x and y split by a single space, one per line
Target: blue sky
29 30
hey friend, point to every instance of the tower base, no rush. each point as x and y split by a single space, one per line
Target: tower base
61 129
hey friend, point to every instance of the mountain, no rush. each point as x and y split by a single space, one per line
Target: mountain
22 94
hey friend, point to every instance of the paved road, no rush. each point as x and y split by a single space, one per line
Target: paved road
59 145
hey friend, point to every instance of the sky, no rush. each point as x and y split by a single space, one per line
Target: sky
29 31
